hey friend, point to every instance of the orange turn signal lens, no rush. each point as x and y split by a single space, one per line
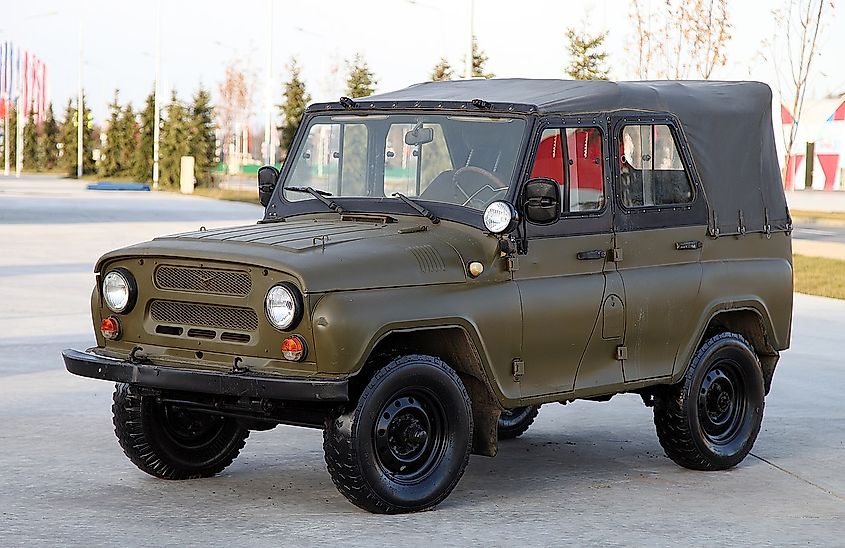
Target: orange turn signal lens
110 328
293 348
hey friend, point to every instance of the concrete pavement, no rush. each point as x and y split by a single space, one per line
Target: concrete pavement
587 473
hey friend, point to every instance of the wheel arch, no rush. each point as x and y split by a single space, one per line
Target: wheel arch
458 347
752 322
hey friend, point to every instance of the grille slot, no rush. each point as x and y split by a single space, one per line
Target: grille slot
203 280
204 315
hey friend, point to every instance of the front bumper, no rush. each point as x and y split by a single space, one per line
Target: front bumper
249 385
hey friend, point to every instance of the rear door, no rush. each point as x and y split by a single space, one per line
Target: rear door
661 226
561 279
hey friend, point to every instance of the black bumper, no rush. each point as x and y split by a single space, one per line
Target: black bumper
204 382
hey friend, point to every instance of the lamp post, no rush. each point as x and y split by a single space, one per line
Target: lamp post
156 90
80 106
269 134
469 63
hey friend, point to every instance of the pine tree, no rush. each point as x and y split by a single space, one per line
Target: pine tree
127 141
203 141
361 80
143 161
174 142
47 142
479 61
109 164
31 159
296 99
68 138
586 56
442 71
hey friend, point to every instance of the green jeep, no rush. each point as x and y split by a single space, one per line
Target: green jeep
436 263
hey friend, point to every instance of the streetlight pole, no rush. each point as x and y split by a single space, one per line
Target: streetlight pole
156 86
269 133
470 43
80 106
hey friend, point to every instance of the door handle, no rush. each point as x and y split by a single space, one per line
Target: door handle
591 255
689 244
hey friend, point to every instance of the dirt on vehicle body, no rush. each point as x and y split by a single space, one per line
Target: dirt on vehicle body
436 263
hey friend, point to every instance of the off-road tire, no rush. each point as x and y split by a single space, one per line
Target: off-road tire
514 422
689 417
361 445
141 425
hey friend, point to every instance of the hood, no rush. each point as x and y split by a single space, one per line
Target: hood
334 254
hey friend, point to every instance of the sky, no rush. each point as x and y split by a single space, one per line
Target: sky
401 40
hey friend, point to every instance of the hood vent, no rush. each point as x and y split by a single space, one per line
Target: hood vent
428 258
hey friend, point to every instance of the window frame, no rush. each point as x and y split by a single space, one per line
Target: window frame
692 213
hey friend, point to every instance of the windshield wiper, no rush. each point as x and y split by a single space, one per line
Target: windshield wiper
420 209
320 195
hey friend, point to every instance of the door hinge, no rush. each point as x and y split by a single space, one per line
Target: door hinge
621 352
616 254
518 369
513 264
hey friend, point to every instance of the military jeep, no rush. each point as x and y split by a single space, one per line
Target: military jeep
435 263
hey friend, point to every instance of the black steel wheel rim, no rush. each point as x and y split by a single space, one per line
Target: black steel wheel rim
511 417
410 435
722 402
189 429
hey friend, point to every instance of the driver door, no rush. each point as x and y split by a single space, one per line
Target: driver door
561 279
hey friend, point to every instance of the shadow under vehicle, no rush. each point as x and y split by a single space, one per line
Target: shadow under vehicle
437 262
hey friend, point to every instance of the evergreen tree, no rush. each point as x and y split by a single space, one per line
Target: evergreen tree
127 140
479 61
296 99
31 160
442 71
361 80
203 141
68 138
109 164
174 142
143 161
48 140
586 56
11 140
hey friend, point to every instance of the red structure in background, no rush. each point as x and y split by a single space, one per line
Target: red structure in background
829 160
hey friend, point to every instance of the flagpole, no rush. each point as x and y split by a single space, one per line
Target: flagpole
156 92
80 108
19 125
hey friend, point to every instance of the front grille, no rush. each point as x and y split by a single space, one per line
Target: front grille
203 280
204 315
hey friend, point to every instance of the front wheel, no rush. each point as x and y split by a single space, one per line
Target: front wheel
407 441
711 420
171 442
514 422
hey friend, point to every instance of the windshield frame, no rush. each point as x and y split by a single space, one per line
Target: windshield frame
280 207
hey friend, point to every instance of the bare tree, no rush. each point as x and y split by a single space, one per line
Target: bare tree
801 23
681 39
233 110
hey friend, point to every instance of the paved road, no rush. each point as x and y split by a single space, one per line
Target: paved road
587 473
819 233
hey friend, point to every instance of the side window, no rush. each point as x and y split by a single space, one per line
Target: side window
572 157
651 170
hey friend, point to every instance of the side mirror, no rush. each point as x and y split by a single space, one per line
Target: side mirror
541 201
268 176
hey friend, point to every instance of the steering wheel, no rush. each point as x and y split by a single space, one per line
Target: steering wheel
488 180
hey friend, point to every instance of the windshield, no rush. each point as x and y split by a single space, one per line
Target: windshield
463 160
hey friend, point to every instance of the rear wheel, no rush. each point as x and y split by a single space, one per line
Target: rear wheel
514 422
711 420
406 443
171 442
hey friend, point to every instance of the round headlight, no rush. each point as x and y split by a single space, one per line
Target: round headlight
500 217
119 290
283 306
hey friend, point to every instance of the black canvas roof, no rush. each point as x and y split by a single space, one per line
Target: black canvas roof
728 126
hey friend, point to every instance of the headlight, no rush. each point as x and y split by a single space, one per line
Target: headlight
500 217
119 290
284 306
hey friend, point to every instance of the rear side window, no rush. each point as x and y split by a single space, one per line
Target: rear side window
572 157
651 172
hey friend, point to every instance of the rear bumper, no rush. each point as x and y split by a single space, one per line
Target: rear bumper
205 382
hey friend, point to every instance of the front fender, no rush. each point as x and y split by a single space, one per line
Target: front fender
348 324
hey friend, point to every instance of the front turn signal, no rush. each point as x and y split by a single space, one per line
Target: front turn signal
293 348
110 328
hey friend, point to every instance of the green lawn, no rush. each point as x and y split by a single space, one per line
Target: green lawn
819 276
